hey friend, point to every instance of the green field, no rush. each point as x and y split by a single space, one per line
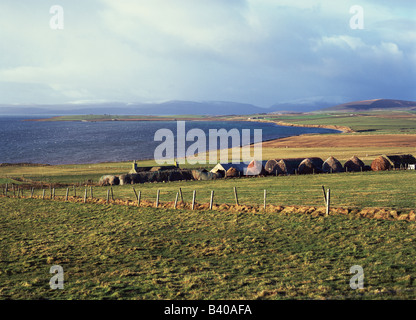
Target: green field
120 252
383 122
111 251
388 189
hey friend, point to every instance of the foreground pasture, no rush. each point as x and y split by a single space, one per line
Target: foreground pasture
126 252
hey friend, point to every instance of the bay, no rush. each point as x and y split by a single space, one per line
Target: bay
76 142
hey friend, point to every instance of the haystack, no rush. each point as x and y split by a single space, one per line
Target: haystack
271 167
290 166
232 173
125 179
255 168
354 164
332 165
380 164
108 180
308 167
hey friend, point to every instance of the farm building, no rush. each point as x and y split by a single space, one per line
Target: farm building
223 168
332 165
401 161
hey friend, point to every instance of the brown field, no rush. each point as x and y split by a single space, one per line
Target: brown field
342 141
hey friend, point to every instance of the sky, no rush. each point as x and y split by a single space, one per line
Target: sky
260 52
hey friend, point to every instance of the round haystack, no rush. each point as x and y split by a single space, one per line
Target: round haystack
354 164
270 166
291 165
125 179
380 164
332 165
104 180
306 167
232 173
255 168
196 174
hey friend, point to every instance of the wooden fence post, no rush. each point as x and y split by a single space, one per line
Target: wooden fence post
112 194
135 193
43 194
265 195
176 200
193 199
180 193
138 198
328 201
91 194
323 189
108 196
157 198
67 193
236 196
211 201
85 195
31 192
75 192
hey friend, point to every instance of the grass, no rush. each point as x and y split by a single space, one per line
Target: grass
370 122
389 189
119 252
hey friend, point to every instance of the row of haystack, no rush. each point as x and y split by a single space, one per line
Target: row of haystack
146 176
313 165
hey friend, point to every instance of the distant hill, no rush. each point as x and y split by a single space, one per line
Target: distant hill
372 105
210 108
117 108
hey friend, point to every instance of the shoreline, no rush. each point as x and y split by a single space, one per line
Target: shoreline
341 129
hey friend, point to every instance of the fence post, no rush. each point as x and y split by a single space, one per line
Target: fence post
176 200
31 192
157 198
112 194
236 196
75 192
323 189
91 194
264 201
180 193
138 198
211 201
108 196
43 194
193 199
328 201
85 195
135 193
67 192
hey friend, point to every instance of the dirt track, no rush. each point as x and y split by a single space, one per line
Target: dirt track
336 141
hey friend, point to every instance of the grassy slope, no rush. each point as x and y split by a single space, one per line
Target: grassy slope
125 252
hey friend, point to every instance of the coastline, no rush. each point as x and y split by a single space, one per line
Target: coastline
342 129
